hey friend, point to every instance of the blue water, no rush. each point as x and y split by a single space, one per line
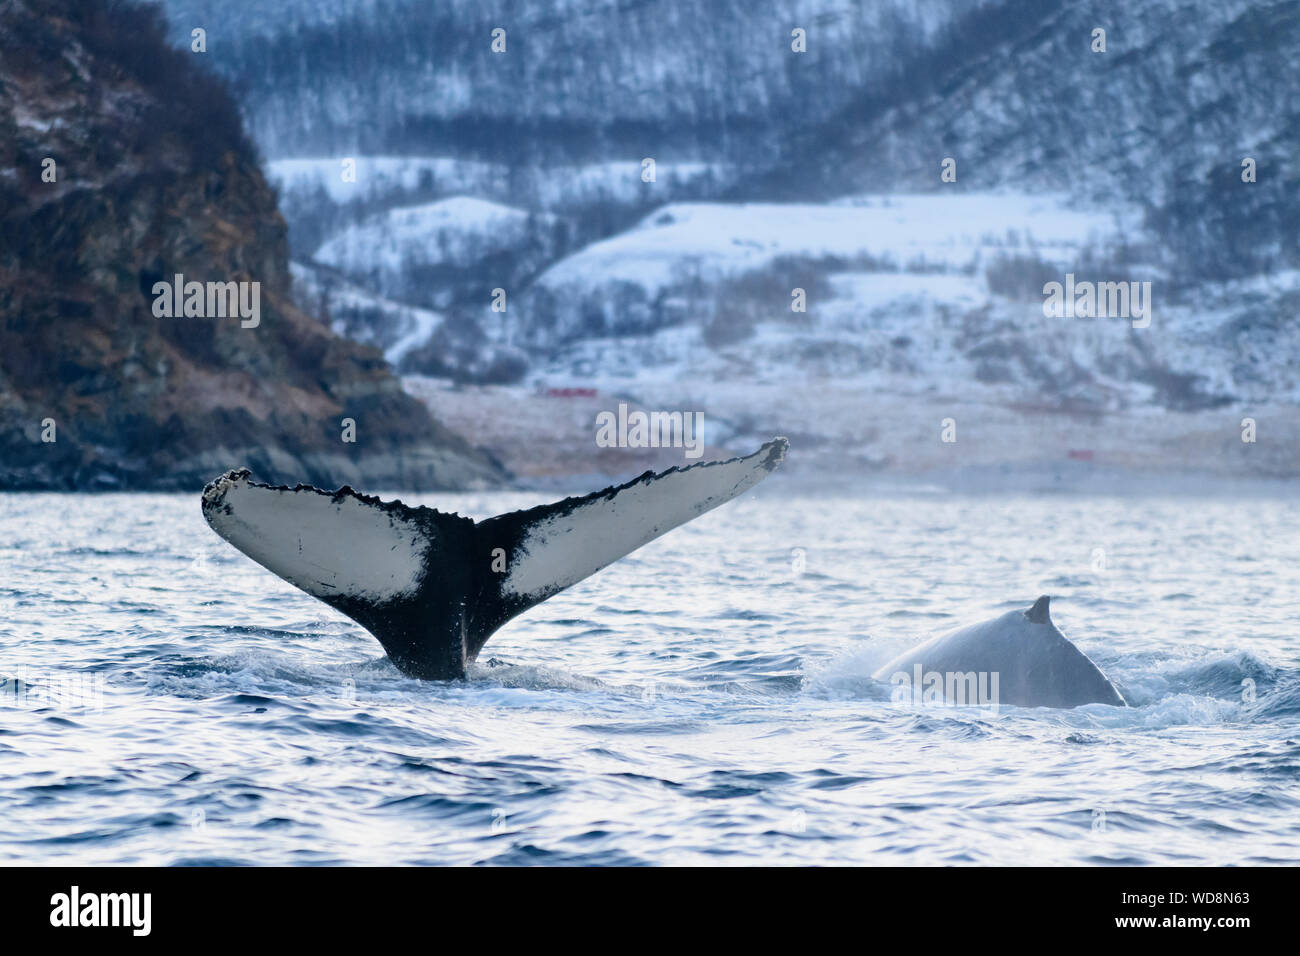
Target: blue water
706 700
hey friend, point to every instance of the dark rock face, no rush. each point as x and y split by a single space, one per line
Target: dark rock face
154 177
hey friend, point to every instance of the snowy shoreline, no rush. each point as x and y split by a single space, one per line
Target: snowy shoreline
852 437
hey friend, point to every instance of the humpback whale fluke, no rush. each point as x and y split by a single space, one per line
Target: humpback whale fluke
433 587
1034 663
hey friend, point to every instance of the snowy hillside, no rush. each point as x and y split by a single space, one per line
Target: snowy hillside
794 249
901 292
380 178
433 253
576 81
582 201
394 328
1184 93
643 277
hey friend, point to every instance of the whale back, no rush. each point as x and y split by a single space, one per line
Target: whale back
1036 665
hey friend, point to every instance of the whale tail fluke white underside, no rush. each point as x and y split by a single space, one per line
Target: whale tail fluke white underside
433 587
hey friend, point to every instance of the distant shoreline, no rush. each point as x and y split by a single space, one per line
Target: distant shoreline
847 438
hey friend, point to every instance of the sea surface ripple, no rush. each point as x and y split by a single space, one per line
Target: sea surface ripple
163 700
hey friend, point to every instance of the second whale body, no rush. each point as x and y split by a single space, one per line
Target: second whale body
1018 658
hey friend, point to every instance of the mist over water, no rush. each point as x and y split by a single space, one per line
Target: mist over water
707 699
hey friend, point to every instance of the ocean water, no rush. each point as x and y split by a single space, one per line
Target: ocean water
707 700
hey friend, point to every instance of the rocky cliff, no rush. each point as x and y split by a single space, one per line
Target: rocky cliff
123 164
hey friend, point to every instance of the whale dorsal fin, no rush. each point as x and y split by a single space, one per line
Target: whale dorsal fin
433 587
1039 613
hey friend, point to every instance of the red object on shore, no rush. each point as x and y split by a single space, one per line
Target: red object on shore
570 393
1081 454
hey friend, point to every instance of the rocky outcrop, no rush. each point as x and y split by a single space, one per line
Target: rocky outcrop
122 164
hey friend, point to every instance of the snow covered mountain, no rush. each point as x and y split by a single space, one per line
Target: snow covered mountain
1184 93
899 290
883 211
576 80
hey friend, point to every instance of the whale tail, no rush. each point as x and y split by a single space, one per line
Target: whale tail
433 587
